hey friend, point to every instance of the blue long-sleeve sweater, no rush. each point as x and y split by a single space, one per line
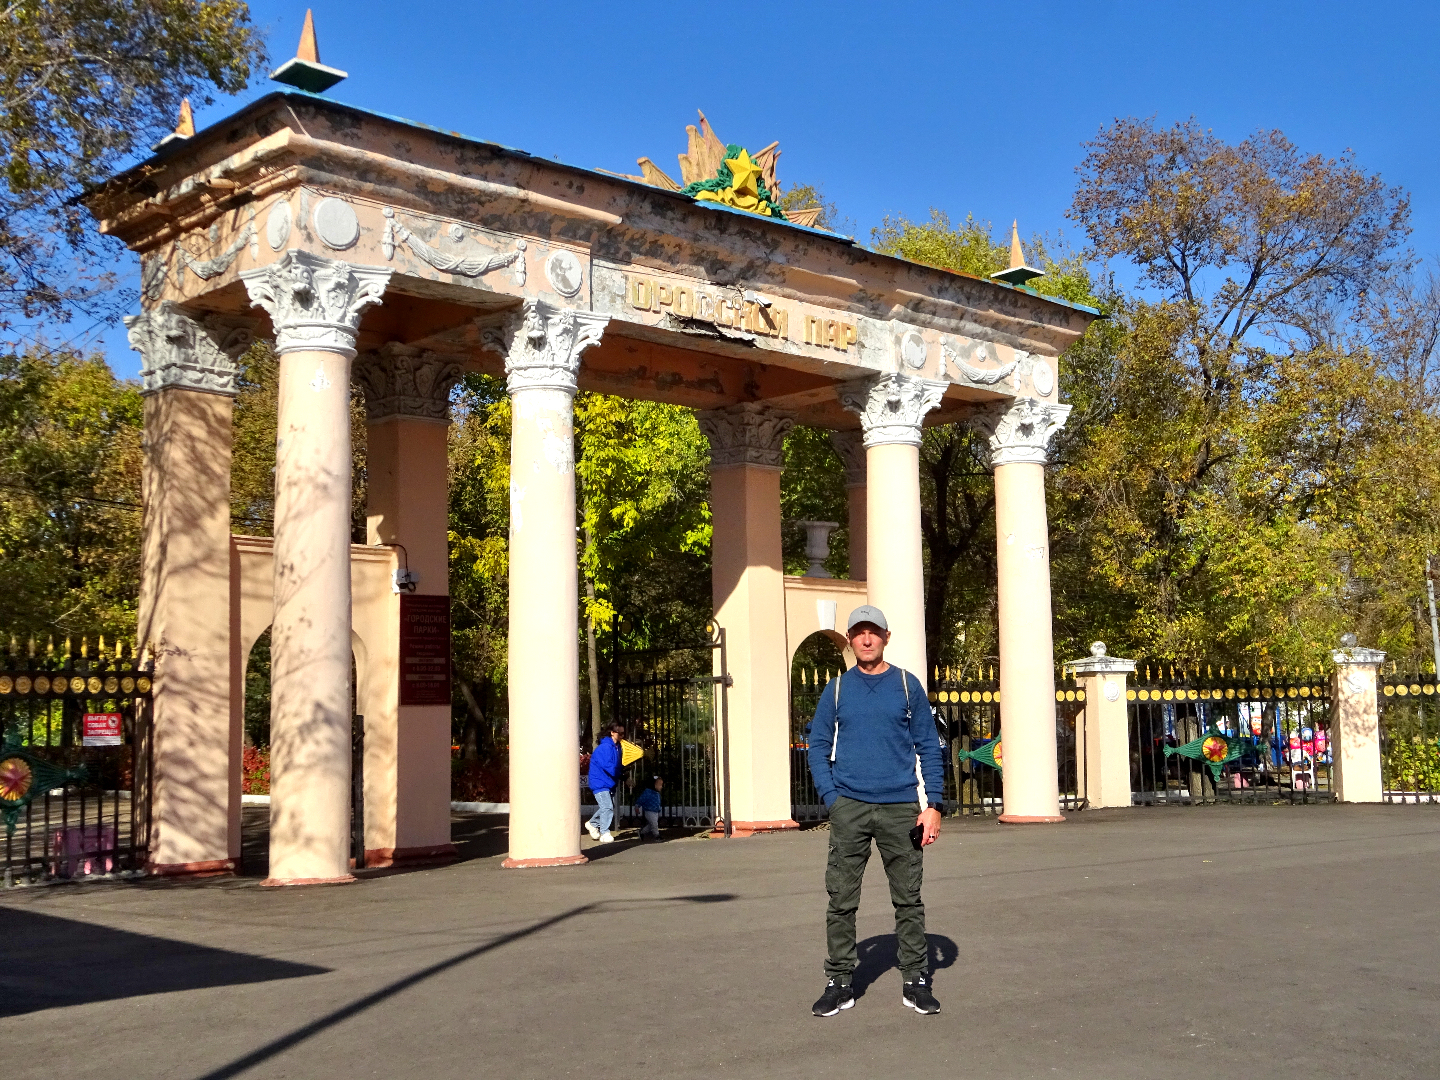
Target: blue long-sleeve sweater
871 753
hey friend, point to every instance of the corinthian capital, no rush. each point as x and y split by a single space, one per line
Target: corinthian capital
314 302
746 434
891 407
1020 431
851 448
399 381
542 345
178 350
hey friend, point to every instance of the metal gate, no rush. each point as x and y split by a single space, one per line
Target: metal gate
673 702
1274 736
75 764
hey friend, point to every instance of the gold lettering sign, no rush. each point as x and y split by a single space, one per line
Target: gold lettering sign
831 333
724 309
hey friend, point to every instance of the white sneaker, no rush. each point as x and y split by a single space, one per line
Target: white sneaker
606 838
593 829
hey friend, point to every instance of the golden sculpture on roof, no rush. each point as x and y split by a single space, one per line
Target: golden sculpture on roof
746 182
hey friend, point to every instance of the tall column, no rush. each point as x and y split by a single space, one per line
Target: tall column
314 304
1102 744
1019 436
542 349
892 409
851 448
1355 724
407 746
748 584
188 383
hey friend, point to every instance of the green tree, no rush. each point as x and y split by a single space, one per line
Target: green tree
1227 456
84 84
479 560
69 496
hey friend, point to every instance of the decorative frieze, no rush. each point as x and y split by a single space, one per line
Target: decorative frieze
746 434
180 351
398 381
891 407
542 345
465 265
979 350
315 302
1020 431
205 269
850 445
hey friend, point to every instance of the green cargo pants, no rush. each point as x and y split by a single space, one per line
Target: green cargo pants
852 826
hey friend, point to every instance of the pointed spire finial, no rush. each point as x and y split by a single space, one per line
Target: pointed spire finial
1017 273
304 70
184 127
309 48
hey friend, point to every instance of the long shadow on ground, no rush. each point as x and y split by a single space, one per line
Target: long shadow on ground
52 962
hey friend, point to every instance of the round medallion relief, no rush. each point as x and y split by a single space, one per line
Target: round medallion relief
277 226
1112 691
912 350
565 272
336 223
1042 375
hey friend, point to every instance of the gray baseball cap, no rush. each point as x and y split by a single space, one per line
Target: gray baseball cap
867 613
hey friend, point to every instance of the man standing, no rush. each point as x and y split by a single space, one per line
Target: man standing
871 738
604 779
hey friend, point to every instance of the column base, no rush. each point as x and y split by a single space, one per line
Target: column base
281 883
533 864
741 829
380 858
1023 819
211 868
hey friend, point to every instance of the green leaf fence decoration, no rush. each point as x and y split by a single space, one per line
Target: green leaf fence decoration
1213 748
24 775
991 754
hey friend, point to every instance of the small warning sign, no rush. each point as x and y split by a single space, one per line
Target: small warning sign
102 729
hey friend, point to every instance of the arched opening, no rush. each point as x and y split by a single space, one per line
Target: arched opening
817 660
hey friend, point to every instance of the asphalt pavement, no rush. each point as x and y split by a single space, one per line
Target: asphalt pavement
1147 943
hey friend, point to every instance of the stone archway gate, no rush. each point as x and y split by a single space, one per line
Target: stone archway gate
402 256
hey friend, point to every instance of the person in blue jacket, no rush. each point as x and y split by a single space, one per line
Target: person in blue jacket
604 778
649 803
878 765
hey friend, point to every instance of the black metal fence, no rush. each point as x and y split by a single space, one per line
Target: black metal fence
1409 738
671 701
1266 734
967 717
75 764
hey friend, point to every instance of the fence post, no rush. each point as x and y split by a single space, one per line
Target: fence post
1105 735
1355 723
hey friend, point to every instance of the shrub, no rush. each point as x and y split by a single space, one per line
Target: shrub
255 770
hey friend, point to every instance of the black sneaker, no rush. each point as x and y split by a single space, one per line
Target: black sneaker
917 996
837 996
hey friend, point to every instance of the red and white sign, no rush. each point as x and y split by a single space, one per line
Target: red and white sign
102 729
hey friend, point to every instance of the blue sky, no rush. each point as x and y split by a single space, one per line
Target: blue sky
893 108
